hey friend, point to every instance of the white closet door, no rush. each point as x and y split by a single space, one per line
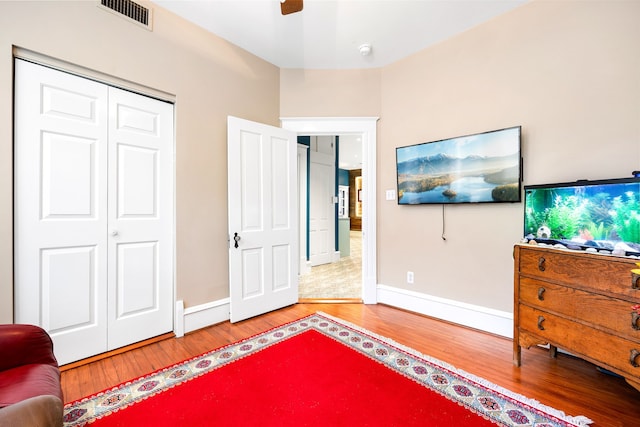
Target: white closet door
93 212
60 208
140 218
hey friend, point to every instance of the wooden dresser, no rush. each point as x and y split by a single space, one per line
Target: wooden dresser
580 302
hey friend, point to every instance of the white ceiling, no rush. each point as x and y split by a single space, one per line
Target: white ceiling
328 33
350 154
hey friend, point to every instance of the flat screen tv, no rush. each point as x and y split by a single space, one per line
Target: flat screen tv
479 168
600 216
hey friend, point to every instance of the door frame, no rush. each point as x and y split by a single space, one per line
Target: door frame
303 266
365 126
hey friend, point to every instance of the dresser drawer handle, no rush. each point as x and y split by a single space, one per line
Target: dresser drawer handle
540 325
541 262
635 280
634 321
541 292
632 358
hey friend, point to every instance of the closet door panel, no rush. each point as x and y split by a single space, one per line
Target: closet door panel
137 181
60 208
140 218
68 185
68 279
137 279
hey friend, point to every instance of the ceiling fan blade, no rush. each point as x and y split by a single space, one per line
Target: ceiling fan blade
290 6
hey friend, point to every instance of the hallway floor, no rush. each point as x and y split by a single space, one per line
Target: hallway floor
338 280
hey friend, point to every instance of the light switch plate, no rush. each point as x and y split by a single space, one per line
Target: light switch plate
391 194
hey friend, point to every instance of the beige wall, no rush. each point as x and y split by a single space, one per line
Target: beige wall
209 78
330 93
567 71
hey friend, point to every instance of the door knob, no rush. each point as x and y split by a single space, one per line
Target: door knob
236 238
114 233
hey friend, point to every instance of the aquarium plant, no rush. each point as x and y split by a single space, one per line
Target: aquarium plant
626 218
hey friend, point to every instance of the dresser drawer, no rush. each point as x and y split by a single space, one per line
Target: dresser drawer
598 273
620 354
601 311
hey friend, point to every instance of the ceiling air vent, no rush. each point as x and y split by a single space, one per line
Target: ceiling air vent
129 9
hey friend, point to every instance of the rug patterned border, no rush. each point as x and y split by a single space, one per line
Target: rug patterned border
478 395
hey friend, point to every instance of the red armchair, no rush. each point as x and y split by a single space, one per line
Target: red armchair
30 392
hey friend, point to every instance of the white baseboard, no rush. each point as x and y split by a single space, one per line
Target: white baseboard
178 325
200 316
474 316
305 266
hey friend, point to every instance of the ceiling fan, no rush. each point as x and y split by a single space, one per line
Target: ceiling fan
290 6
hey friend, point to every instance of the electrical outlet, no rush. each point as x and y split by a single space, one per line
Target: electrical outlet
409 276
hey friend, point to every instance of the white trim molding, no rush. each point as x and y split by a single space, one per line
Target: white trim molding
200 316
303 265
366 127
474 316
178 323
91 74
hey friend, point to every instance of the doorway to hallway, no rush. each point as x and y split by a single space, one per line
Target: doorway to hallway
335 183
366 128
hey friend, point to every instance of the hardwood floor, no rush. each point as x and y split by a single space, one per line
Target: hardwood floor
566 383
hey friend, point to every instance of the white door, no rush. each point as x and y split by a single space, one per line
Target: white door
60 208
140 242
93 212
263 219
322 202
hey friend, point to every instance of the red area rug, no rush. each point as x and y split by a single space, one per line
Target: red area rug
316 371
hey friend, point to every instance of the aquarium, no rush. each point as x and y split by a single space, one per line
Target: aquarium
479 168
601 216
